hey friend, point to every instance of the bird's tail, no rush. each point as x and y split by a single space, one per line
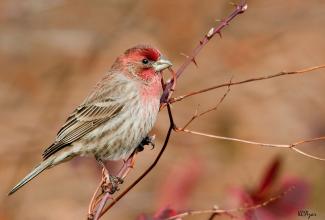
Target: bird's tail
37 170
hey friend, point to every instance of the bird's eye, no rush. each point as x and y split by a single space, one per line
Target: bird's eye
145 61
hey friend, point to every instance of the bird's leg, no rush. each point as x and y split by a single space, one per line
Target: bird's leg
110 182
105 172
129 163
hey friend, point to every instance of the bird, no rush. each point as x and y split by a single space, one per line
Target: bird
115 117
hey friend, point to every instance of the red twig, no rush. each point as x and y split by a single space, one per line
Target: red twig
171 126
101 205
283 73
239 9
97 207
93 201
229 211
99 200
197 115
169 87
292 146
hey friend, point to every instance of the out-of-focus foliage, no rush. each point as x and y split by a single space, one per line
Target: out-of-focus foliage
291 195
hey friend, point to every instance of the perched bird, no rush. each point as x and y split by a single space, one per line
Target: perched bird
115 117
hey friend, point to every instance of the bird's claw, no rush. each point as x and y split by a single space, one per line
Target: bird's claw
116 179
151 141
112 185
148 140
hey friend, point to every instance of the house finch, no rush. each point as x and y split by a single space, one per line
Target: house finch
115 117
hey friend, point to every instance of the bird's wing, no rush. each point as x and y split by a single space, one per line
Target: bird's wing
83 120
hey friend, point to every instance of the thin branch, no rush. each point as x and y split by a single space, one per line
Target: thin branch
283 73
239 9
214 108
229 211
170 129
213 215
170 86
145 173
289 146
97 204
93 200
102 203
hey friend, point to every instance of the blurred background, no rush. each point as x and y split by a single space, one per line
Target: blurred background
52 52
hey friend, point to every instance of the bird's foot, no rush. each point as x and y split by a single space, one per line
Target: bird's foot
148 140
116 179
111 184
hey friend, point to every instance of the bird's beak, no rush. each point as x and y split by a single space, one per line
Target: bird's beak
161 64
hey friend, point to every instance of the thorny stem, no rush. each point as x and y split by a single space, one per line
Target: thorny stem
170 86
239 9
101 205
106 195
98 201
289 146
197 115
93 201
95 212
229 211
170 129
166 100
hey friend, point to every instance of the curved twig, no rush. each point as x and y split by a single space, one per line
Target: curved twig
170 129
289 146
283 73
168 90
239 9
229 211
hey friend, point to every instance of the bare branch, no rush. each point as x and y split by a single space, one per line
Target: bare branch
169 87
283 73
239 9
97 206
97 203
170 129
289 146
214 108
229 211
145 173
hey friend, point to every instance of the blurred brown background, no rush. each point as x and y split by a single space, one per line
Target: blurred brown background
53 51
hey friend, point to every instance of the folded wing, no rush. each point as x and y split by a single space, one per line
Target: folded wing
83 120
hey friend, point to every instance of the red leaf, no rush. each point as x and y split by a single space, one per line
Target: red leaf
180 183
144 217
165 213
270 176
294 200
160 215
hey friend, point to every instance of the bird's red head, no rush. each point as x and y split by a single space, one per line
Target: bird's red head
143 62
143 52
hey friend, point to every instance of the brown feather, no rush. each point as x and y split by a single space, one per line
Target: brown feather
81 122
